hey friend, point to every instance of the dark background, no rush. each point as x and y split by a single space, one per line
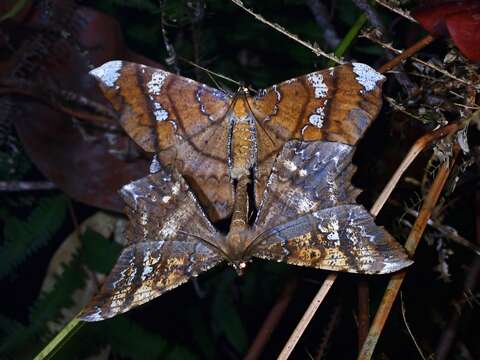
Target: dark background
219 315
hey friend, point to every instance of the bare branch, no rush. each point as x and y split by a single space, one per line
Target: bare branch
401 12
369 36
314 48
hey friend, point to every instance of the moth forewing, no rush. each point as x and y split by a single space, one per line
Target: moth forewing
160 109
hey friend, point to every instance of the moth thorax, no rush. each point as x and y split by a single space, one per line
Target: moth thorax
243 136
235 245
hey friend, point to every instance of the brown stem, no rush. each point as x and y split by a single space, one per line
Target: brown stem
405 54
271 321
363 311
416 59
419 145
307 317
411 244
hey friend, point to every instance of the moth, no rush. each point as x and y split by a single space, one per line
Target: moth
307 217
213 137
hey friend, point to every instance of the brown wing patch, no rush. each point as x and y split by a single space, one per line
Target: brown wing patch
342 238
160 205
309 217
336 104
146 270
169 241
178 118
184 121
307 176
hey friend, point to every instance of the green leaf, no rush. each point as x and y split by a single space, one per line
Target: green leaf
24 237
227 318
129 339
180 353
99 253
200 334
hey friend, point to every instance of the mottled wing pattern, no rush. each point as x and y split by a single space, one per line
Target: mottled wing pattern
169 241
178 118
307 176
309 217
341 238
336 104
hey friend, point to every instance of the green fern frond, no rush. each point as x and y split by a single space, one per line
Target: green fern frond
130 340
15 339
48 305
99 253
24 237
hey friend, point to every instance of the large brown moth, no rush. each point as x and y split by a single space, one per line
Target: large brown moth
307 216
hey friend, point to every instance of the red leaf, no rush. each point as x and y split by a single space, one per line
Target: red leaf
459 19
465 33
85 163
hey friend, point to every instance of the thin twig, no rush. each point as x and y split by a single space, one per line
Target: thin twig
224 77
307 317
407 53
328 332
271 321
363 291
419 145
171 60
399 107
410 246
315 49
404 315
448 336
401 12
449 232
26 185
369 36
363 294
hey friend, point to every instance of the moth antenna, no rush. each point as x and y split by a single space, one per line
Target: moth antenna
259 123
210 71
205 241
217 84
214 123
273 230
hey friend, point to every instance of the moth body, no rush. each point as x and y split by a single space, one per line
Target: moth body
242 151
234 247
